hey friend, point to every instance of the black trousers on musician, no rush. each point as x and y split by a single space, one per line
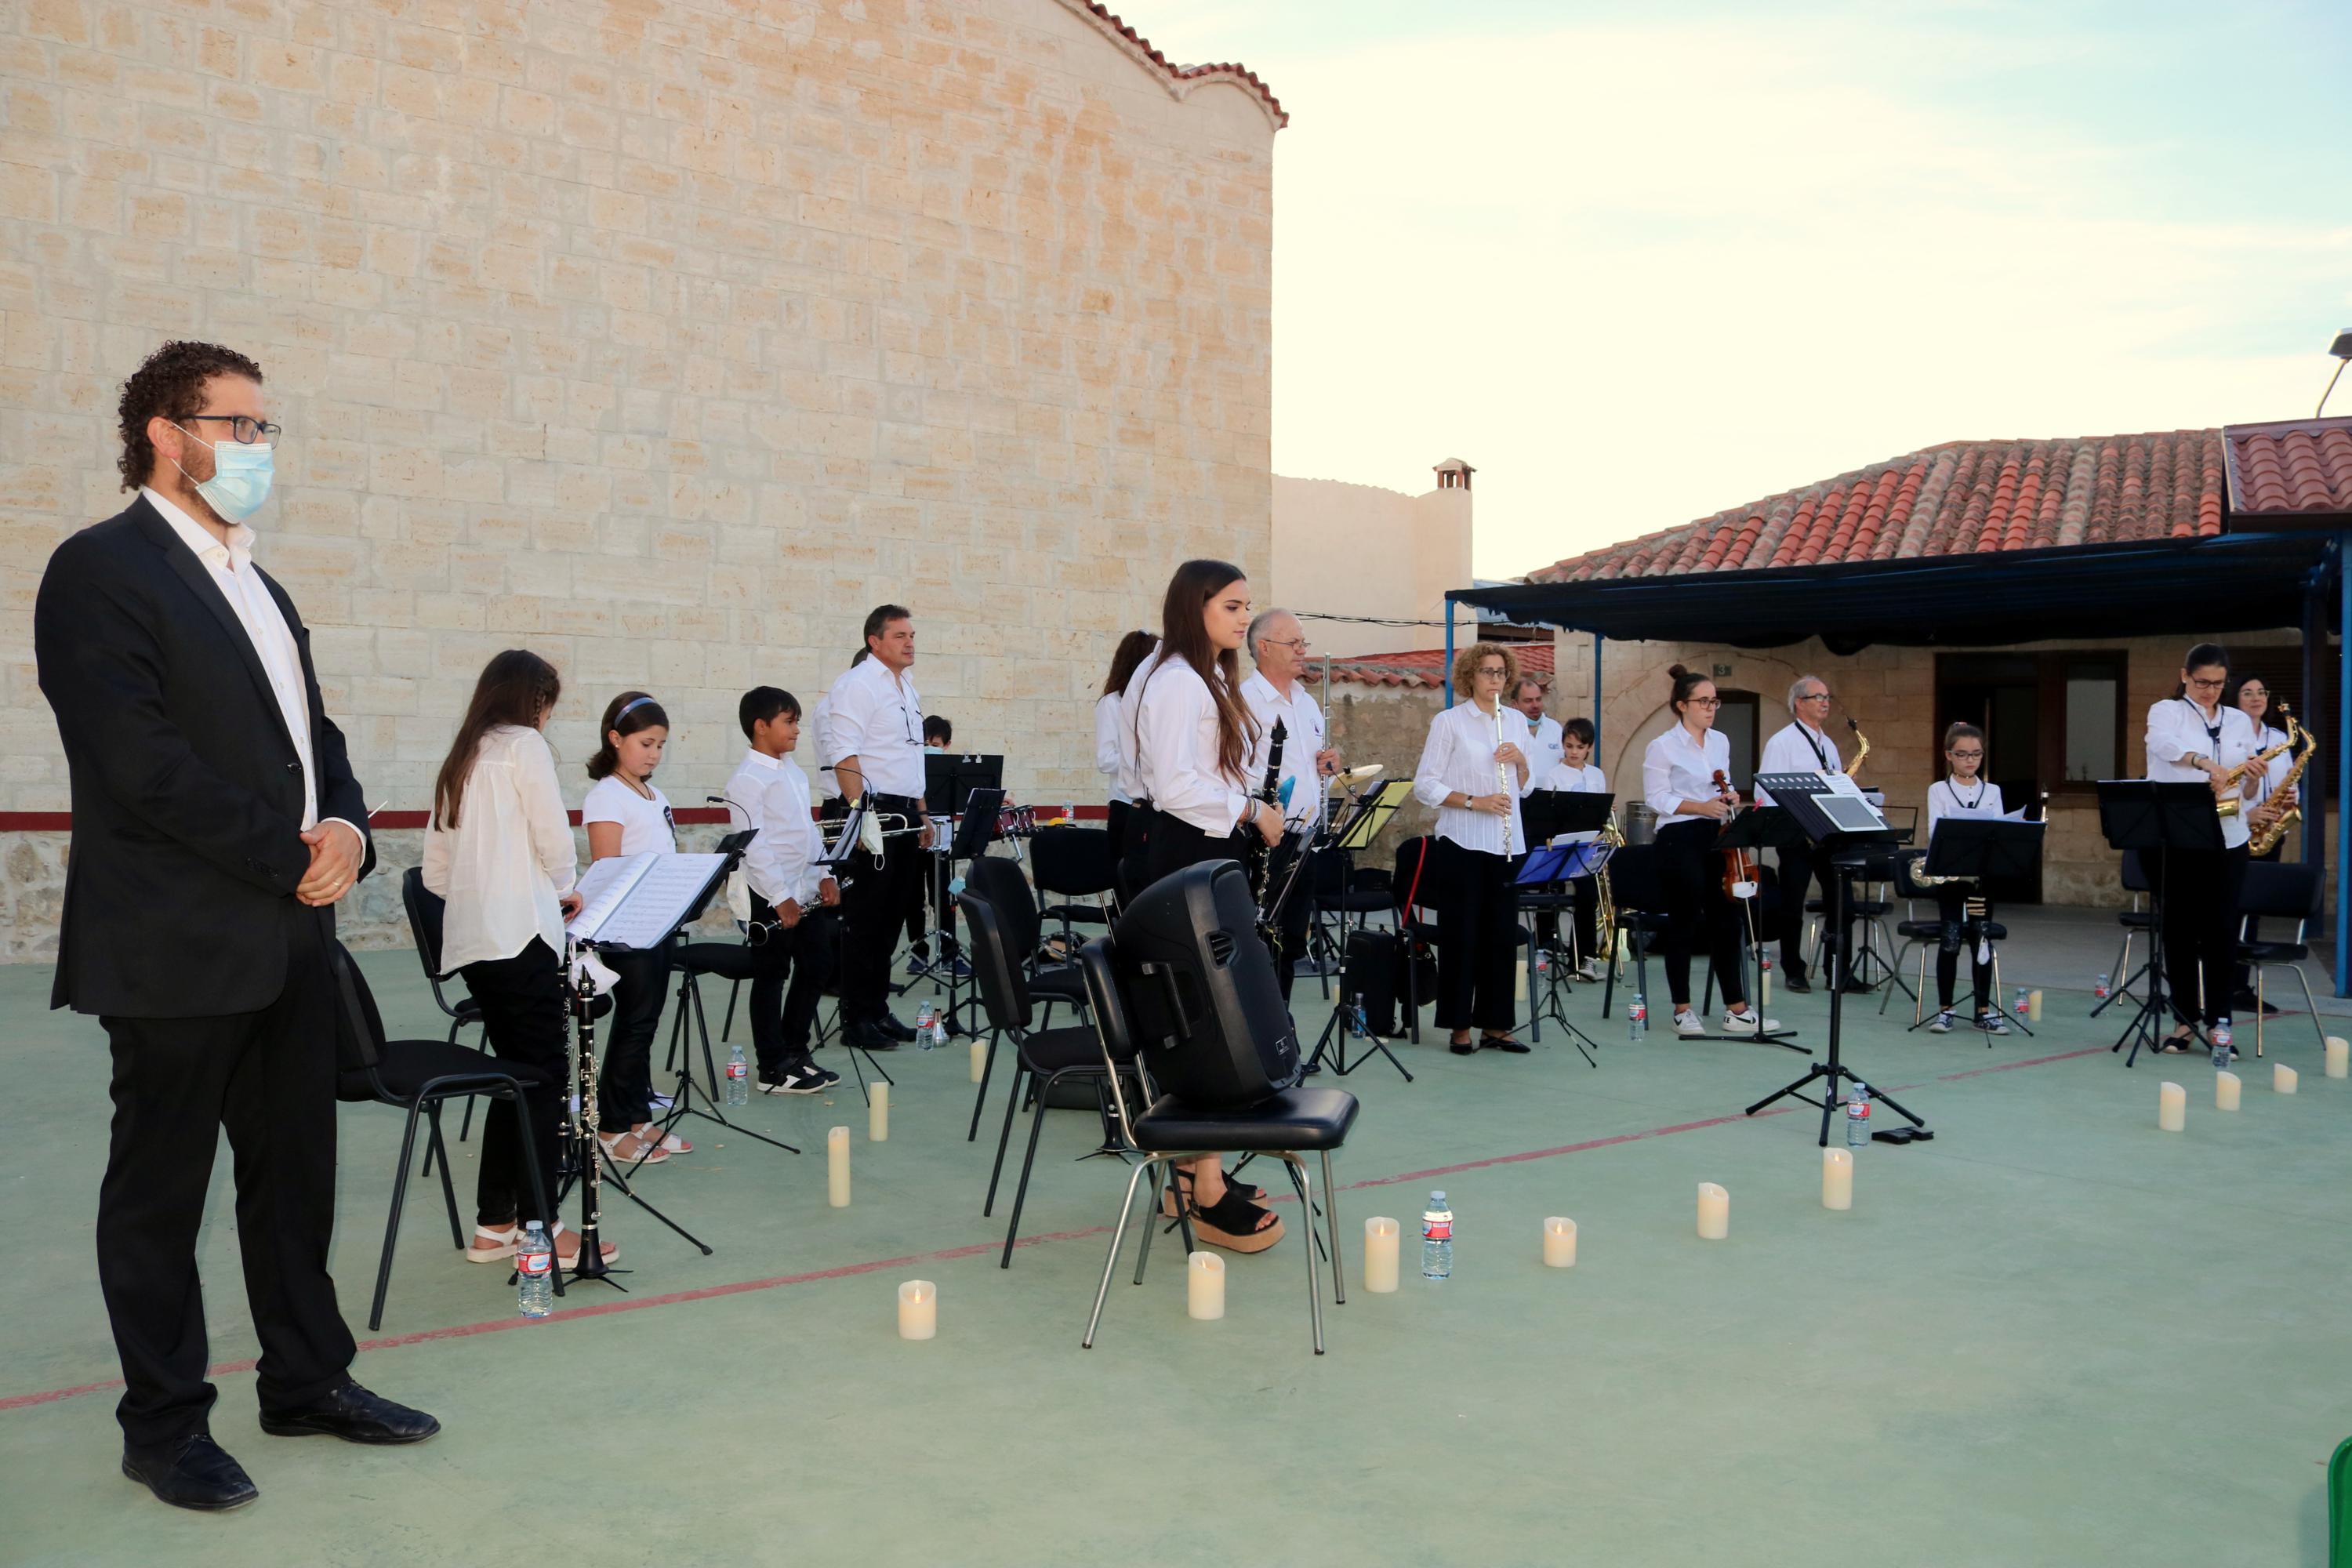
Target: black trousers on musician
269 1077
1698 914
1135 851
1952 909
522 1019
1293 919
1477 936
1176 844
1114 820
783 1019
2245 977
625 1083
1800 872
874 906
2200 928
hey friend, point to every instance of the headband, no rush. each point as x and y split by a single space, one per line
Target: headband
629 708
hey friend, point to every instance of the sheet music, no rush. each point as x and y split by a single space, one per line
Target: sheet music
1979 813
642 899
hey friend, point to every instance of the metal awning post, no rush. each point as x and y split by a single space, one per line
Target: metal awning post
2343 767
1449 650
1596 697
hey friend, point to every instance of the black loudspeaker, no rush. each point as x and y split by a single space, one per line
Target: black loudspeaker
1369 977
1200 990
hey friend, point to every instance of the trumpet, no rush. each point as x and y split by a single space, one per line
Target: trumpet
2229 806
873 828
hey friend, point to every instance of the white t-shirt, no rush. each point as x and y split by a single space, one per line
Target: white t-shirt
647 825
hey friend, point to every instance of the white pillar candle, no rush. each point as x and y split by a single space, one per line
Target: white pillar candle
1205 1286
1714 1211
918 1309
1519 984
2171 1107
2339 1056
2033 1006
1764 989
1837 1178
878 1113
1381 1235
836 1167
2283 1079
979 1060
1559 1243
2225 1091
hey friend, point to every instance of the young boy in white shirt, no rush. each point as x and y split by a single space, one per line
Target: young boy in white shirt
791 928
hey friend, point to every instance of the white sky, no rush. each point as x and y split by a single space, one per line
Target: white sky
1641 265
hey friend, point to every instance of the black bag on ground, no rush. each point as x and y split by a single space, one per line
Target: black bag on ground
1367 976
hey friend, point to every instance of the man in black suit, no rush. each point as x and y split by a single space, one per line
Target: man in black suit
216 823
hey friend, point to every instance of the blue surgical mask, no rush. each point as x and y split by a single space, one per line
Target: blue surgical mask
240 481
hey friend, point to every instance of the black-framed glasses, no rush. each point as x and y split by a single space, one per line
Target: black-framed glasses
1966 756
1702 701
2214 685
1814 696
244 427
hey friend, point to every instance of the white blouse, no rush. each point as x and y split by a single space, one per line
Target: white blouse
1176 751
1945 799
505 868
1459 757
2273 771
1676 768
1130 704
1107 751
647 825
2178 726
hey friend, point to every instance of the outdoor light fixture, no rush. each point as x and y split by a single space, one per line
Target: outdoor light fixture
2342 349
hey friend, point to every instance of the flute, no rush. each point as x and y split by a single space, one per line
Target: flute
1502 777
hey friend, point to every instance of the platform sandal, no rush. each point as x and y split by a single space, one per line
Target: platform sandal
1236 1225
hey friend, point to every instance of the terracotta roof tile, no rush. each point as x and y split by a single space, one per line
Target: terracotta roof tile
1240 76
2294 467
1420 668
1973 497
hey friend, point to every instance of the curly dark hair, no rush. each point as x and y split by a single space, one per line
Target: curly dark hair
171 383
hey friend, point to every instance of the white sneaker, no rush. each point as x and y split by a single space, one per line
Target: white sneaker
1943 1023
1590 969
1745 1023
1688 1022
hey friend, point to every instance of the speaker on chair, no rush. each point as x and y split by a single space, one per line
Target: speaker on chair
1201 989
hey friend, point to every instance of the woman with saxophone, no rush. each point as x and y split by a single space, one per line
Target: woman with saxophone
2194 737
1963 792
1472 773
2274 792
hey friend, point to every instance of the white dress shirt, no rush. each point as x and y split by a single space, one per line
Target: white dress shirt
1586 780
647 825
877 717
233 572
2177 727
1949 797
1107 748
1796 748
1130 702
1542 745
505 868
1459 757
1675 768
1176 756
772 796
819 718
1302 720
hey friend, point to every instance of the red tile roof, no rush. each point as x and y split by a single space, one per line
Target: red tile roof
2291 469
1239 75
1962 498
1422 667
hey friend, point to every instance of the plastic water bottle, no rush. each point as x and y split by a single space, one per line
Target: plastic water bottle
535 1273
1637 1017
1437 1238
1357 1024
1069 812
2100 990
2024 1001
1857 1116
924 1022
738 1078
1543 961
2220 1037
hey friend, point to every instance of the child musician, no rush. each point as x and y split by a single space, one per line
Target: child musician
625 814
1577 773
793 930
1964 793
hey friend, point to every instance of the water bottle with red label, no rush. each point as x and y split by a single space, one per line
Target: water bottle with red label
1637 1016
1437 1238
534 1273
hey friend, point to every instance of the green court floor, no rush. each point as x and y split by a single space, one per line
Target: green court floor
2055 1335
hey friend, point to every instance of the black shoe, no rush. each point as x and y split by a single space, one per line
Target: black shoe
895 1029
1505 1043
867 1038
1463 1047
191 1471
356 1415
1798 984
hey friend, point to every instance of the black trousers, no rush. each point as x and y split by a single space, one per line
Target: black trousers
1293 919
1800 873
1477 936
1115 821
2200 928
269 1077
874 906
1952 907
1698 914
625 1084
782 1020
522 1018
1176 844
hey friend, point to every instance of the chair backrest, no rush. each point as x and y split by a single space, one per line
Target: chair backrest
2135 873
1000 883
1073 862
1002 996
1635 882
1326 874
359 1027
1907 866
1107 1005
2284 889
424 907
1410 878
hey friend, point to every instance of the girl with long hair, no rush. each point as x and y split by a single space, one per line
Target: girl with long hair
1133 648
626 813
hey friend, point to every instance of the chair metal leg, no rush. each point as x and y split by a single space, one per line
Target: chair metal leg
2258 1012
2310 1006
1314 1290
1151 1219
727 1029
448 1192
1029 1160
392 1220
980 1096
466 1125
1012 1108
1608 980
1110 1260
1331 1224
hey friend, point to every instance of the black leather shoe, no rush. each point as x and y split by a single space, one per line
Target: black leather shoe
867 1038
1797 983
191 1472
895 1029
356 1415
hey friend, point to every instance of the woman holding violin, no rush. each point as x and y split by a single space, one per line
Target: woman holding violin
1685 778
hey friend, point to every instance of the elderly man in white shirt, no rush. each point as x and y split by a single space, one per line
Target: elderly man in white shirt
1276 694
1802 746
874 740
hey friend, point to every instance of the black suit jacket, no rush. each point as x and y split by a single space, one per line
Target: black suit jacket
187 790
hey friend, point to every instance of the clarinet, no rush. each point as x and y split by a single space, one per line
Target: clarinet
1256 854
586 1125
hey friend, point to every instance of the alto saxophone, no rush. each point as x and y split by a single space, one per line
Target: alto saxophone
1862 745
2269 820
2231 804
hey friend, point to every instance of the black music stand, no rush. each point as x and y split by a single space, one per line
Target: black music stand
974 831
2152 818
1760 828
1979 848
1845 828
1366 815
949 779
1553 866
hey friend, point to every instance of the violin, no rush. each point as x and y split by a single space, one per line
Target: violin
1739 865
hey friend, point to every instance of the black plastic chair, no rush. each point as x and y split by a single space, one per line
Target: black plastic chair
1926 934
1638 891
1045 1057
417 1076
1312 1120
1068 863
425 909
999 883
2279 890
2137 921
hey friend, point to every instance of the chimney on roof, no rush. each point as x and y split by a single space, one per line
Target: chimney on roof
1454 474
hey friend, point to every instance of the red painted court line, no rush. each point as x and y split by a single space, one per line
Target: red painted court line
848 1270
